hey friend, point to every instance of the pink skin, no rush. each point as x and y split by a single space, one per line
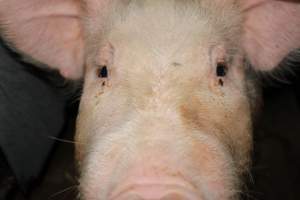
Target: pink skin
161 136
151 183
275 32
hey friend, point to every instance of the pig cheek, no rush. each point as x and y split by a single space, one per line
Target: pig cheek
226 117
80 141
95 89
212 162
100 171
88 115
215 169
82 128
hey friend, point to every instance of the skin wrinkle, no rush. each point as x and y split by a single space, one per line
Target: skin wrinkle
191 114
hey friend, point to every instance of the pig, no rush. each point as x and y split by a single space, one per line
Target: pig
168 98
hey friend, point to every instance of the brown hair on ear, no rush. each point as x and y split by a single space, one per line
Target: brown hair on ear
272 31
46 31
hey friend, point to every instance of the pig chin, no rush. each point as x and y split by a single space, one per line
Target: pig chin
166 164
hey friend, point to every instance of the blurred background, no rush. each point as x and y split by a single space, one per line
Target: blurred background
275 173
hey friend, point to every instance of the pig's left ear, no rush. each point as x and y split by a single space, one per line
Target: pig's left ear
272 31
47 31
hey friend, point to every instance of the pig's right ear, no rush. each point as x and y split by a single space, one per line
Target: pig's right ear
47 31
272 31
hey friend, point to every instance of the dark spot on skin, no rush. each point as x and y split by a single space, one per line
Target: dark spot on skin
103 72
221 82
176 64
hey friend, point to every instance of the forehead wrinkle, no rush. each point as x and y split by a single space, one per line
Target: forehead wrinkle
159 42
165 26
166 31
172 16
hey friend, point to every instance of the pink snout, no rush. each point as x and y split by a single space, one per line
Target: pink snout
157 191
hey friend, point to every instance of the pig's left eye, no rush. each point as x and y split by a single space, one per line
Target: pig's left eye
102 72
221 70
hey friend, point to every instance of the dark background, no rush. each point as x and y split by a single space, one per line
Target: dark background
276 158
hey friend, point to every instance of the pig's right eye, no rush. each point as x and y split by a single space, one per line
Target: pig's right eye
102 72
221 70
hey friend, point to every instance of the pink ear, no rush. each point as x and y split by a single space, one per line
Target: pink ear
48 31
272 31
